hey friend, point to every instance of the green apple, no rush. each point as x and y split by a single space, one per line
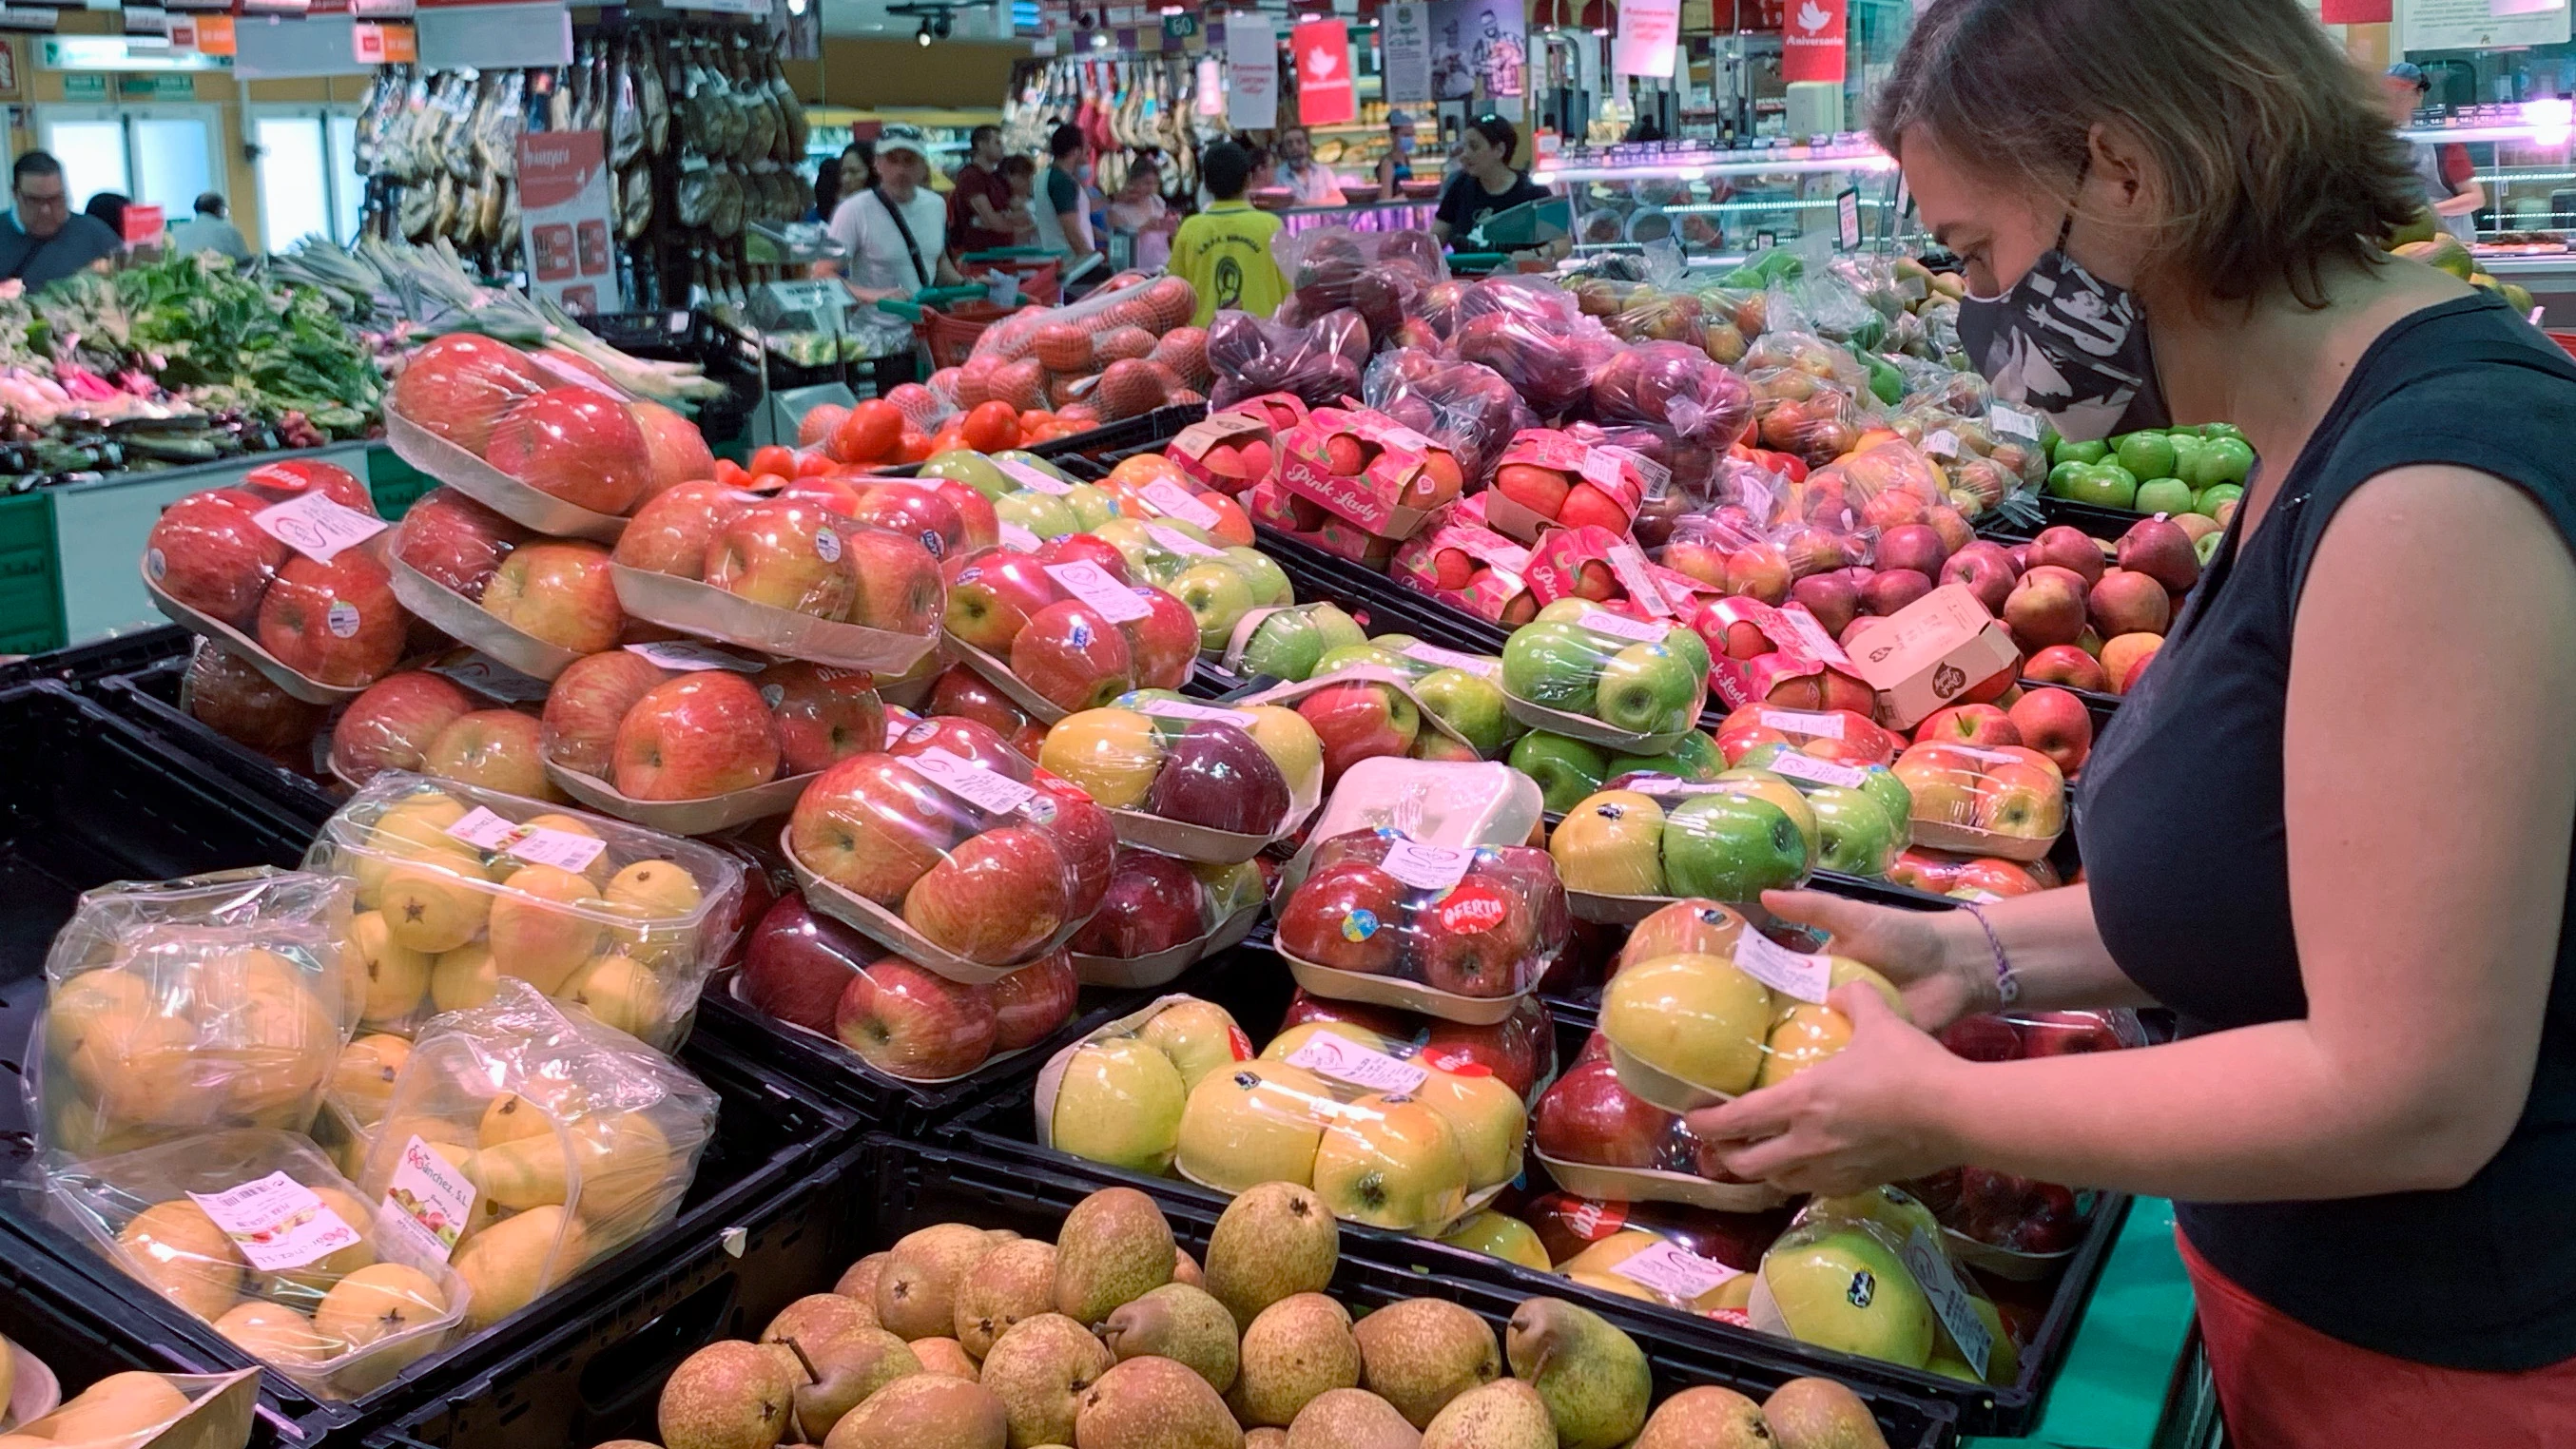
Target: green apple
1555 665
1647 689
1285 645
1028 459
1763 784
1147 561
1119 1103
1469 703
1696 1017
2216 494
2205 547
1892 796
1338 628
1496 1236
1848 1291
1139 698
2061 479
2147 455
1565 770
1043 514
1696 765
1693 649
1198 1036
2106 484
1731 848
972 469
2072 452
1857 837
2186 448
1217 597
1229 888
1291 744
2162 495
1611 844
1354 656
1566 611
1091 505
1270 586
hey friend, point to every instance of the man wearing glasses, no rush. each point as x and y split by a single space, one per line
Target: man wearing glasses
42 239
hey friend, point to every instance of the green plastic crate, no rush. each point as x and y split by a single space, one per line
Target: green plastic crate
395 484
31 595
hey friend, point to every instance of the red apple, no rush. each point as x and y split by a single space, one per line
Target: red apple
496 749
1030 1003
1833 598
1912 546
1507 1049
2126 656
967 739
2068 548
703 734
232 698
2129 603
983 525
1359 721
2068 665
991 594
1084 547
577 444
2159 549
390 727
2046 608
1889 590
2068 1033
1348 916
290 478
1386 1021
1475 943
871 826
916 512
675 451
962 693
787 555
1990 875
459 387
1981 725
994 898
588 702
1847 693
1153 904
1165 643
797 964
1083 833
1073 657
1983 1039
2056 724
1588 1117
898 586
1761 571
455 541
821 713
334 622
675 529
206 552
1702 561
910 1022
1986 569
559 591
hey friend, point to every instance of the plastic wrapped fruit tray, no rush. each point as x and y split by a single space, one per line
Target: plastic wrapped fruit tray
1253 985
545 1398
95 799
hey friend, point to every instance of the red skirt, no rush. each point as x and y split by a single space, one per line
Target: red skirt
2284 1385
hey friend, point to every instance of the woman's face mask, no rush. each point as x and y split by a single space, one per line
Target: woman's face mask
2067 345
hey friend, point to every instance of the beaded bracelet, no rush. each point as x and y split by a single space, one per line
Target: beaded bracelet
2007 985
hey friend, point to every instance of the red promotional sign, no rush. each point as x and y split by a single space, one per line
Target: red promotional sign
1811 42
2357 12
1323 52
142 223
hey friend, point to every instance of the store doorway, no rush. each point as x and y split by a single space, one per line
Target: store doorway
296 145
159 155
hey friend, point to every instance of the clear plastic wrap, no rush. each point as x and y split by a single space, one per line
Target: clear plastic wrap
961 693
456 542
953 850
229 695
459 889
1868 1274
1576 570
181 1007
1292 642
1318 361
545 425
256 1233
1569 1224
1367 711
1158 307
1451 931
1520 1049
1569 770
1674 386
1545 477
133 1409
1589 1130
459 387
814 974
1971 877
669 722
572 1139
1151 488
288 565
1458 560
1465 407
2008 801
1651 837
1068 635
1117 1097
1697 1028
1232 780
1609 678
1434 802
1383 276
1162 913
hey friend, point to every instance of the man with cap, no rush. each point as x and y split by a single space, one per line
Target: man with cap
896 234
1397 165
2451 185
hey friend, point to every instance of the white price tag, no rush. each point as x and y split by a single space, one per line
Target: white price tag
1943 444
277 1222
1630 565
1344 1060
494 680
970 782
427 1203
1819 644
1036 479
1174 501
1602 470
484 830
681 656
1406 438
1825 725
2009 421
1179 542
1427 867
1018 539
1797 766
1791 973
1931 1268
1182 709
1475 664
559 848
316 526
1092 584
1673 1272
1620 626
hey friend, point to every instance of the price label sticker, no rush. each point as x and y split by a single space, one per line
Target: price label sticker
1940 1282
970 782
1174 501
2008 421
539 846
1791 973
1344 1060
1601 469
494 680
427 1203
484 830
1815 725
682 656
1819 644
1018 539
1092 584
316 526
277 1222
1943 444
1674 1272
1798 766
1036 480
342 619
1179 542
1183 709
1620 626
1433 654
1400 436
1427 867
1630 566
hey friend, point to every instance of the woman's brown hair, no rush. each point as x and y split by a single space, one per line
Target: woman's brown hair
2272 150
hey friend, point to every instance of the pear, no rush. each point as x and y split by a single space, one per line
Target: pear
1706 1417
1115 1248
1419 1353
617 991
729 1395
117 1407
916 1295
1593 1377
1265 1438
1014 1281
1153 1403
463 978
858 1282
1820 1414
925 1411
506 1265
176 1248
1185 1269
363 1078
394 977
1505 1414
1040 1368
943 1355
839 1365
1300 1347
815 1314
379 1302
275 1333
1352 1419
1271 1243
543 926
1181 1323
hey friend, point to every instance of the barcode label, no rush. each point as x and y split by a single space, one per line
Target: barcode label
1797 766
1035 479
1345 1060
1620 626
1671 1271
1174 501
277 1222
1426 867
969 782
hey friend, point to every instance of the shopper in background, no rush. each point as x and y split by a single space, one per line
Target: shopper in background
2451 185
858 168
978 207
1064 204
1224 250
1314 183
1139 211
1487 182
108 207
2370 1119
896 234
44 240
1396 166
1022 174
208 231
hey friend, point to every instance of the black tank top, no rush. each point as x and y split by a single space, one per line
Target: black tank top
2180 823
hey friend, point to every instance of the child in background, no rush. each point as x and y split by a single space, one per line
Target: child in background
1224 251
1139 211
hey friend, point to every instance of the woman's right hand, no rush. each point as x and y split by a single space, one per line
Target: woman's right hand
1920 951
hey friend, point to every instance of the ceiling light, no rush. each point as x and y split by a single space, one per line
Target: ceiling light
921 37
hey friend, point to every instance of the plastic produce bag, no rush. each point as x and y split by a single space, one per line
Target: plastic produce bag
255 1233
1463 406
460 889
544 438
1158 306
186 1006
1453 931
1198 781
1597 1138
1538 342
1727 1012
1383 276
2008 801
1608 678
1318 361
1519 1050
574 1140
1673 386
1064 629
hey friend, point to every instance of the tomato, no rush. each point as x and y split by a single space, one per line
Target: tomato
775 460
912 447
869 433
813 463
991 427
730 473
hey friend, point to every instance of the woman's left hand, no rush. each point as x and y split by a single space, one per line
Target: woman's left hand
1865 1116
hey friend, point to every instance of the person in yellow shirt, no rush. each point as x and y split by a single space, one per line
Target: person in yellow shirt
1224 251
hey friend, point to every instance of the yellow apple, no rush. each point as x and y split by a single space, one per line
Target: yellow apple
1113 754
1696 1017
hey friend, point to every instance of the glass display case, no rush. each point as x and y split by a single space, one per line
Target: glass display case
2521 154
1716 205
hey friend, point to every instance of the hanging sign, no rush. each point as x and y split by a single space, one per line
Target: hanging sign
563 208
2481 24
1477 42
375 43
1648 38
1404 43
1812 42
1251 71
1322 49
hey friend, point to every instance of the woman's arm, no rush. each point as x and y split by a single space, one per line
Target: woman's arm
2430 798
1946 965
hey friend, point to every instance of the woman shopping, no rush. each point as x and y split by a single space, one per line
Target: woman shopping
2331 825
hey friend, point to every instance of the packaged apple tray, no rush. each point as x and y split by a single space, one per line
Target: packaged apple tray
541 1398
1251 983
95 799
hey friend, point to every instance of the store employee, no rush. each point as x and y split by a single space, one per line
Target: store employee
2451 185
43 240
1488 181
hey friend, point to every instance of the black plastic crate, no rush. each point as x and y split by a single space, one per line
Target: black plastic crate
1254 985
86 798
86 663
544 1400
149 699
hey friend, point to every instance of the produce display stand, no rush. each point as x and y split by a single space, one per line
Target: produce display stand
95 799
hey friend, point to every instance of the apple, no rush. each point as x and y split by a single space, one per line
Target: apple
1847 1291
1391 1162
1856 835
2046 608
232 698
1987 570
994 898
2018 799
496 749
1469 703
1648 689
1517 1050
559 591
588 702
798 964
1761 572
1347 916
1832 597
1042 514
1890 590
1153 904
2002 878
390 727
455 541
1304 1008
1085 836
1912 546
703 734
1555 665
1217 596
205 551
2129 603
1683 928
2068 1033
916 512
1165 643
990 596
1566 770
1073 657
2068 665
674 450
873 827
898 583
1257 1122
1292 745
1217 775
460 385
2056 724
1478 940
820 713
967 739
960 692
2126 656
1942 782
1983 1039
787 555
1731 847
1488 1117
675 530
1695 558
1611 844
1981 725
2068 548
1696 1017
913 1023
1112 754
337 622
2162 551
577 444
1358 722
1030 1003
2018 1213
